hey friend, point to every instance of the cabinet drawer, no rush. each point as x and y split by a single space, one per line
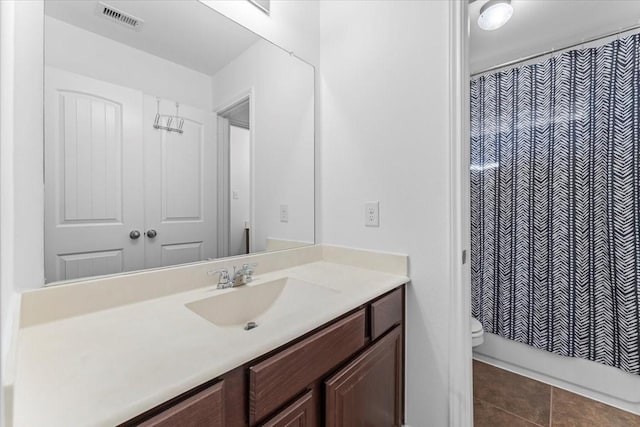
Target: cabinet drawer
204 409
386 313
299 413
281 377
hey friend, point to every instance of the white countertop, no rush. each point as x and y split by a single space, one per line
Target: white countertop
106 367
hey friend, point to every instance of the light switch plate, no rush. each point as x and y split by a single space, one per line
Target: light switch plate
284 213
372 214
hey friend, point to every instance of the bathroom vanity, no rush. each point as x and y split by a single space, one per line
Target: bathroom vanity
166 347
349 371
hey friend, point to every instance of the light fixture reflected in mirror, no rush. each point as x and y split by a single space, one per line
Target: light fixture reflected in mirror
494 14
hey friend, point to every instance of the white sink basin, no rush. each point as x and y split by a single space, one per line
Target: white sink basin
260 302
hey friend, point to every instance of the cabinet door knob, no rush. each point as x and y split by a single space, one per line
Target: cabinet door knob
134 234
151 233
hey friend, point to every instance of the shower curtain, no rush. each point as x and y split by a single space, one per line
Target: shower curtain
555 200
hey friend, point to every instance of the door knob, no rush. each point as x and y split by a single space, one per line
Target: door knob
134 234
151 233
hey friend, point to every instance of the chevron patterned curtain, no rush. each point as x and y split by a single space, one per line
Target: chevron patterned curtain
555 203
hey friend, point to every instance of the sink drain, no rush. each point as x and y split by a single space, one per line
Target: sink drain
250 326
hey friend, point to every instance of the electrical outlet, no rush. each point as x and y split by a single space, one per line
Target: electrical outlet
372 214
236 195
284 213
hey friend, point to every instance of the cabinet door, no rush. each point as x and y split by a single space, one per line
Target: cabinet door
367 392
204 409
299 414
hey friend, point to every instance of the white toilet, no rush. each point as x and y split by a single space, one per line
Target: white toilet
477 333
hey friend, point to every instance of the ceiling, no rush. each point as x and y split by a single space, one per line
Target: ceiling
541 25
182 31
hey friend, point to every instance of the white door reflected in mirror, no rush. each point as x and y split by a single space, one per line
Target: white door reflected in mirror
109 172
93 179
126 190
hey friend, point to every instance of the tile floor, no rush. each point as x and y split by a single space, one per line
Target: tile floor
505 399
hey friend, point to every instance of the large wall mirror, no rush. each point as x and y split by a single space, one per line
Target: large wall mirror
172 135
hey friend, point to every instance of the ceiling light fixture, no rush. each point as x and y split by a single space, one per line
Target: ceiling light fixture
494 14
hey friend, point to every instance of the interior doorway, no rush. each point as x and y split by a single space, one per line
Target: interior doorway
235 191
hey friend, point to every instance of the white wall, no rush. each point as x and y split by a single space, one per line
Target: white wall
21 182
6 168
291 24
6 171
21 144
74 49
240 183
385 77
283 138
23 116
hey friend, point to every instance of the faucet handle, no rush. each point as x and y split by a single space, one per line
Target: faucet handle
224 275
243 274
249 268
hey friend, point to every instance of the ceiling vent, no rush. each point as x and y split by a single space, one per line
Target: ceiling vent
126 19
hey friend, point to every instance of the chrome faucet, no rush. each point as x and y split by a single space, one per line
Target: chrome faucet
241 276
224 281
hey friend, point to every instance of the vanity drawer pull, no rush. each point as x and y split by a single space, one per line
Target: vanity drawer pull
386 313
279 378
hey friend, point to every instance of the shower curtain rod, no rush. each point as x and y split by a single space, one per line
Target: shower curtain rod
552 51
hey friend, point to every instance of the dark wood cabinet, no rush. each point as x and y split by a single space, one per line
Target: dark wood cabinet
386 313
284 375
300 413
203 409
367 392
347 373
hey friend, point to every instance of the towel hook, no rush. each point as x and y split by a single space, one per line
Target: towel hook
178 118
164 122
